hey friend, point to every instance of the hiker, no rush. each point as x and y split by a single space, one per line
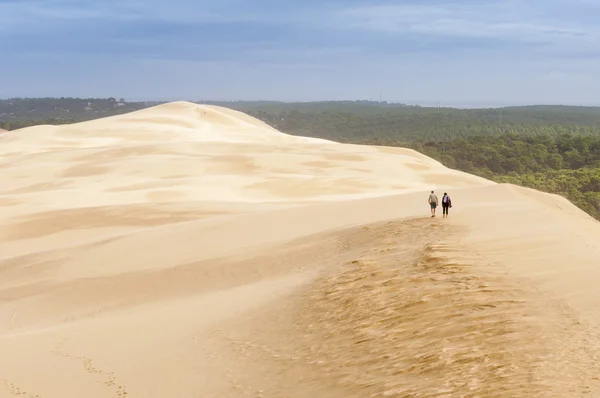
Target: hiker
446 203
433 201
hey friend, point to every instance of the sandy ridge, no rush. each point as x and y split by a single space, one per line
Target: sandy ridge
187 250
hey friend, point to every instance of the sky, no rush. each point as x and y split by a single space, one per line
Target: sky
465 53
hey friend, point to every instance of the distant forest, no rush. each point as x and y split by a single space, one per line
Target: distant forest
551 148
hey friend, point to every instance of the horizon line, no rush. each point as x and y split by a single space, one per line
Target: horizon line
420 103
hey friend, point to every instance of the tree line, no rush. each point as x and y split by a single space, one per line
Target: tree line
16 113
567 165
379 125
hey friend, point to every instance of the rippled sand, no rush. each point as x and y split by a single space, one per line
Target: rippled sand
188 250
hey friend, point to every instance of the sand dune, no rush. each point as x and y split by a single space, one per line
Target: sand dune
192 251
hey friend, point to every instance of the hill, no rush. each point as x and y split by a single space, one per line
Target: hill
551 148
345 121
193 250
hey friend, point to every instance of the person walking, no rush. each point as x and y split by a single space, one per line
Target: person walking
446 203
433 201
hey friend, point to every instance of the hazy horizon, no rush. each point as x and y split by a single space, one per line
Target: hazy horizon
424 103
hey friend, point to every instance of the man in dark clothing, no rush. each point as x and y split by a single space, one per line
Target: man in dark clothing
446 203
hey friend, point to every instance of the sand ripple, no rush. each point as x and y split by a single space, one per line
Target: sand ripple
436 321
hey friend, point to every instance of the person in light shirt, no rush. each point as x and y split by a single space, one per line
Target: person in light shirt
433 202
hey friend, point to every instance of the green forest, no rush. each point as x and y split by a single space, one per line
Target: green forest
16 113
380 125
568 165
551 148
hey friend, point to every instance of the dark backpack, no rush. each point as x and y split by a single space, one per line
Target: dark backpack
446 199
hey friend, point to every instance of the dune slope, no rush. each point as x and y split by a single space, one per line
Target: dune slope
188 250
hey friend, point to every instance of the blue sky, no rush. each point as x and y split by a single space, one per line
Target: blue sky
458 52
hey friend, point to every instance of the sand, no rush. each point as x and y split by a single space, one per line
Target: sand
193 251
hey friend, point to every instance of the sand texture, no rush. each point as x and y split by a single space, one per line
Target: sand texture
193 251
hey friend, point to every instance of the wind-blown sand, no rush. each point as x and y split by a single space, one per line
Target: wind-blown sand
193 251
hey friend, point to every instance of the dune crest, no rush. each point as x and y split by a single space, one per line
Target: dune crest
208 159
192 250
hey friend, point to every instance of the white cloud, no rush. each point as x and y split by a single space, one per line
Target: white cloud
27 12
507 20
493 50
